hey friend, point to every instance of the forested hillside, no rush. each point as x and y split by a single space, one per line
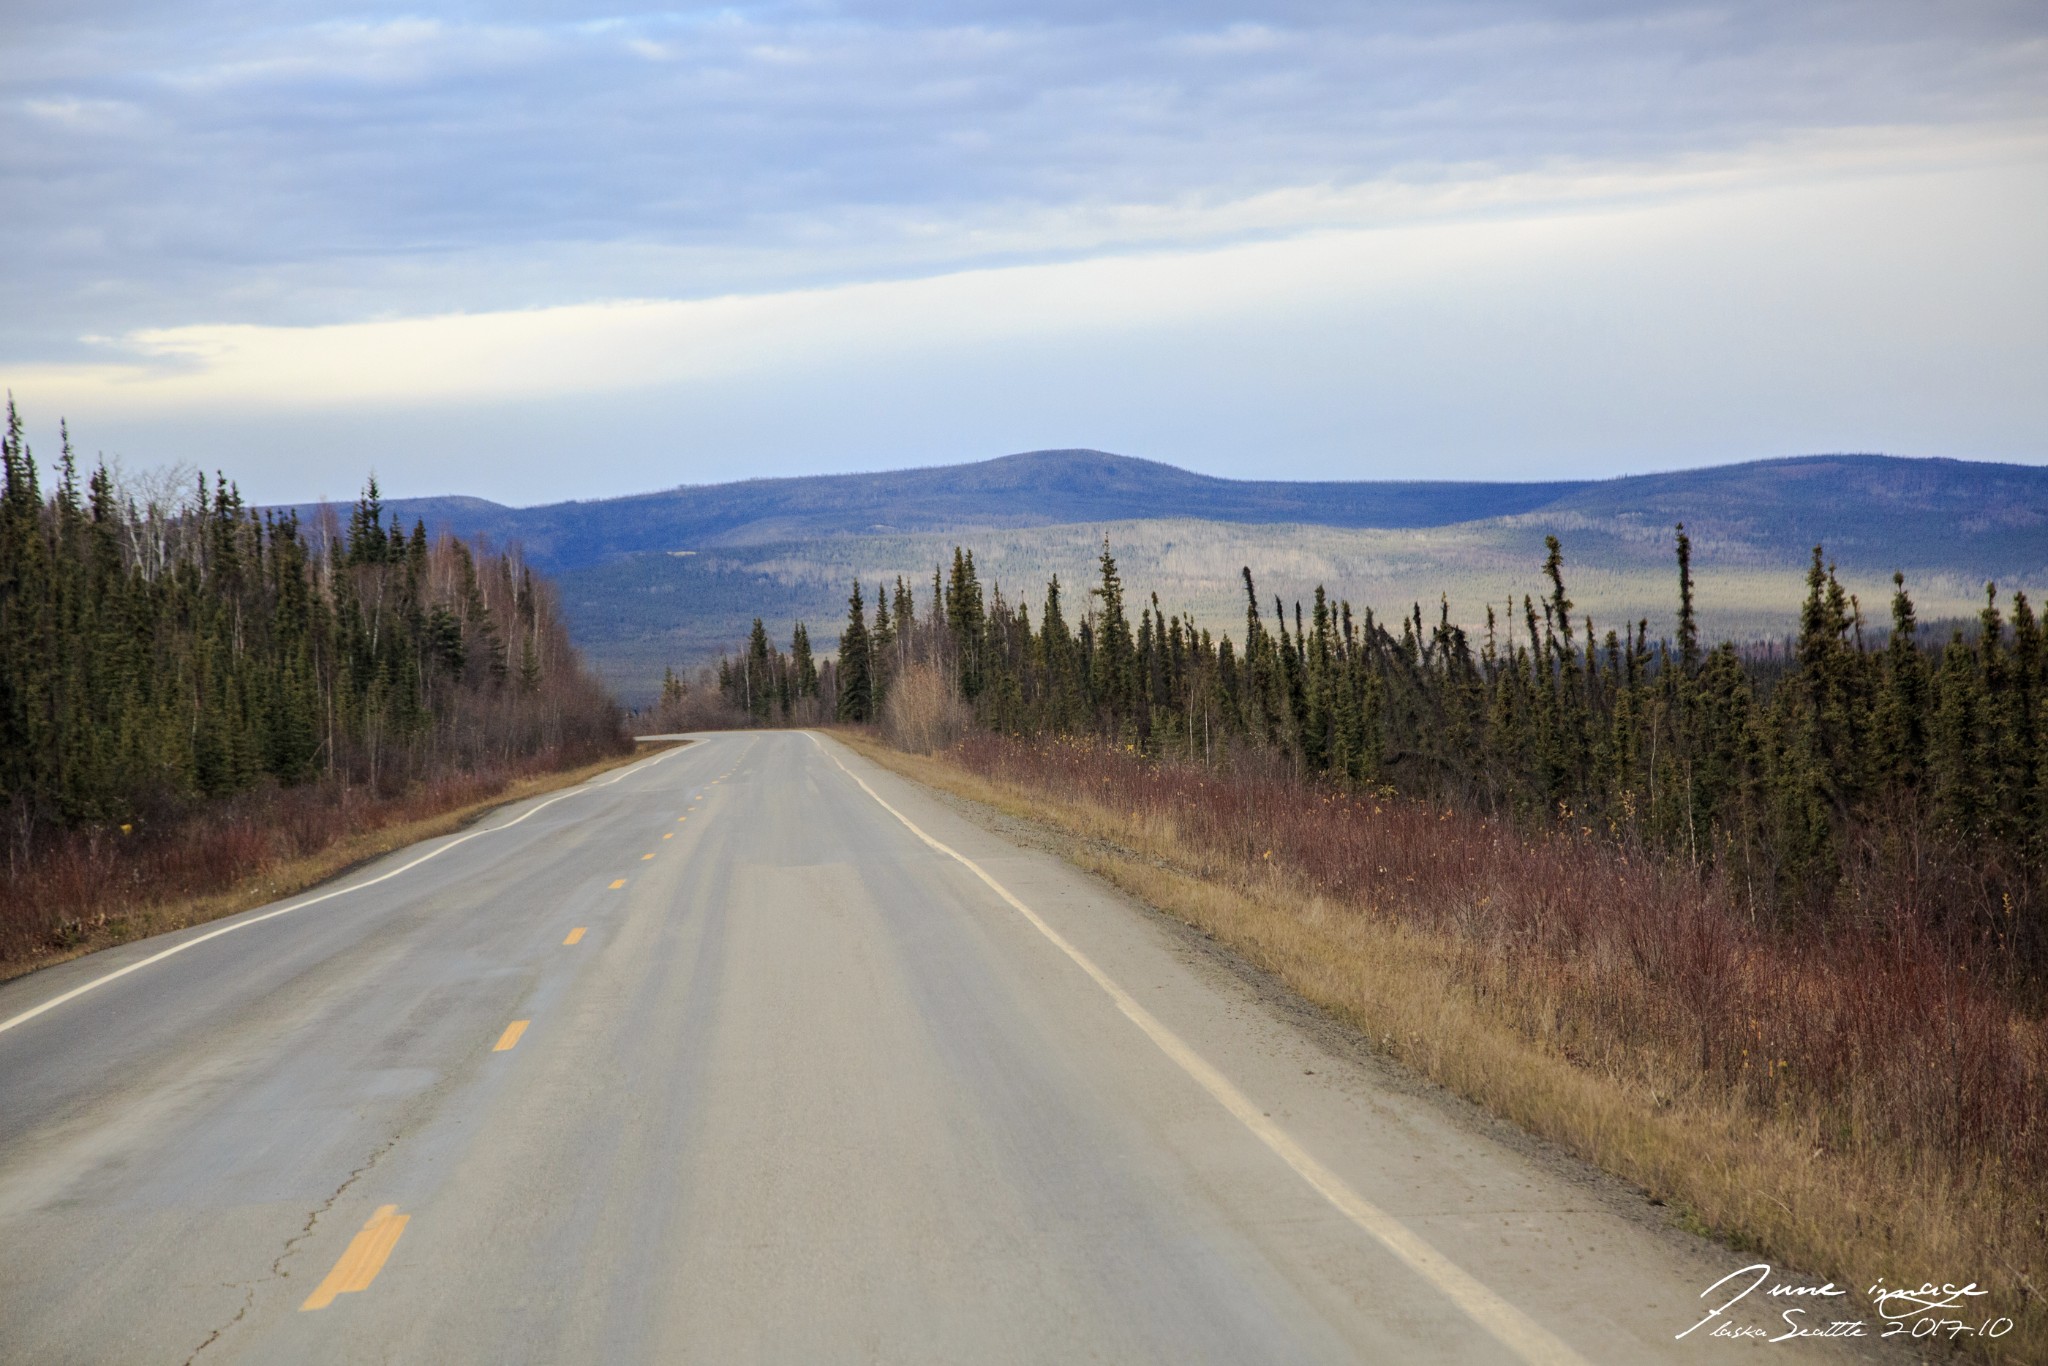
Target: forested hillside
670 579
159 660
640 613
1035 488
1878 512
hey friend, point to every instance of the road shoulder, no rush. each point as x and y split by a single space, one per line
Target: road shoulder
1276 1018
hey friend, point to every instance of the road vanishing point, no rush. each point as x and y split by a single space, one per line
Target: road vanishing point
754 1052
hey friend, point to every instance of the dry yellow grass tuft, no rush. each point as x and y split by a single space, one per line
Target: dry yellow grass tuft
1770 1182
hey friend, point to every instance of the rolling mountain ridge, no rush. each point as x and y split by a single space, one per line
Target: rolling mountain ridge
1865 508
1036 488
677 576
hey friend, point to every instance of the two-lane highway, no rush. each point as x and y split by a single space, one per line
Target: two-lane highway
752 1052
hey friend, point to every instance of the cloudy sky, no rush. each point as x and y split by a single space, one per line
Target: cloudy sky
534 251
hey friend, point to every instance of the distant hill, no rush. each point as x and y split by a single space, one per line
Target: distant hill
674 577
638 614
1869 509
1875 512
1038 488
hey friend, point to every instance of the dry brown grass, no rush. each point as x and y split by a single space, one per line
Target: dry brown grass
253 861
1577 1048
923 711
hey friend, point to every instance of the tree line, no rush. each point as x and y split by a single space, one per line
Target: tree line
157 652
1860 769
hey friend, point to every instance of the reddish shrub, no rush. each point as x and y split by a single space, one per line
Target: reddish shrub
1889 1035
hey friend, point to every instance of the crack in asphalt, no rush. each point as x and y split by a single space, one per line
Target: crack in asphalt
292 1244
248 1298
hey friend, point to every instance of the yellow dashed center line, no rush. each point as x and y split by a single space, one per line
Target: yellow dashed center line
620 883
510 1036
645 857
670 835
362 1260
575 934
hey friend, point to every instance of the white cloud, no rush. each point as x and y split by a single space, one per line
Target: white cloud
1291 248
737 213
406 50
1233 41
1899 312
89 116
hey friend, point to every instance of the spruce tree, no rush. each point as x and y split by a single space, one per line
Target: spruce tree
800 660
1114 667
1902 719
856 677
882 649
759 679
1060 691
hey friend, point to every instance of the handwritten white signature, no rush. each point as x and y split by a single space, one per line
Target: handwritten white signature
1926 1310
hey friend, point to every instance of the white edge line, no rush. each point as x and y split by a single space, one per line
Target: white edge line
178 948
1514 1329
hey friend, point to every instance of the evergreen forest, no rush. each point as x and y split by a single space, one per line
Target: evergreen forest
1860 770
160 653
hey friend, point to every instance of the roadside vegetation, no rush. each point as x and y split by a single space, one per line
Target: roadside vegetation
194 694
1763 929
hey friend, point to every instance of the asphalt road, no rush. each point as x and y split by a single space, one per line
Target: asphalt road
726 1058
